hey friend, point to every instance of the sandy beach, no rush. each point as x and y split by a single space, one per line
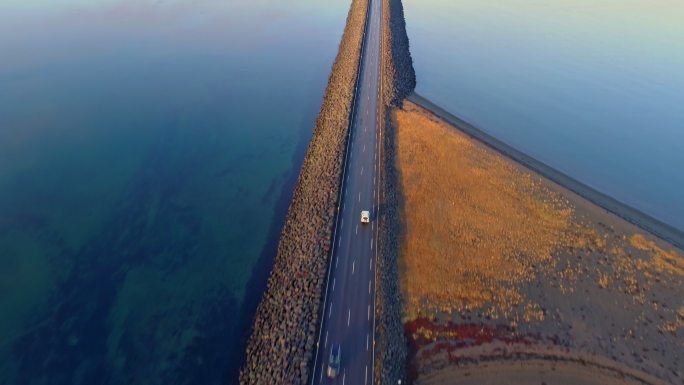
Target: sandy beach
508 274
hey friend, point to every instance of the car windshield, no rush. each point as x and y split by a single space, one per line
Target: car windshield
335 356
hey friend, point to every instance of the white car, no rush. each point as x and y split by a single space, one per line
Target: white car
365 216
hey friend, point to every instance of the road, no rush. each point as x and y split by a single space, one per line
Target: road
348 317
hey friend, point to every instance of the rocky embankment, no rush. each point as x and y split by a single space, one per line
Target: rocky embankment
398 81
281 346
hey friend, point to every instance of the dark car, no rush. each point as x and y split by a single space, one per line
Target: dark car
334 361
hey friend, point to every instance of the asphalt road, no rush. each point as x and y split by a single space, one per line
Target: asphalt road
348 317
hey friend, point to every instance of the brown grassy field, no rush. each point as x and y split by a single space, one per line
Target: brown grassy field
497 262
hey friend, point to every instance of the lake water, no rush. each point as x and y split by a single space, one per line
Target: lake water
592 88
148 151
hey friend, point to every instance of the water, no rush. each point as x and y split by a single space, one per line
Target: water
592 88
147 155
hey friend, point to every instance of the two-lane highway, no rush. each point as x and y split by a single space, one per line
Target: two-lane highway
349 309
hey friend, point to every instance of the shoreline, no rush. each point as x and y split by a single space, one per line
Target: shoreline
640 219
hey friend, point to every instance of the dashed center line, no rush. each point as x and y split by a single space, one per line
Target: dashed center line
353 264
333 289
348 317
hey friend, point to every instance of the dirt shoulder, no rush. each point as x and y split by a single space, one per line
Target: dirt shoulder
500 265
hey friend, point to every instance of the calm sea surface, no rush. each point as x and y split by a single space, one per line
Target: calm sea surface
594 88
147 155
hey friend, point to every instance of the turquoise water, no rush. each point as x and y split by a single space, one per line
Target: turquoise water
592 88
147 155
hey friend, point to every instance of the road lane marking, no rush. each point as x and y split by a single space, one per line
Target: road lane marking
348 317
339 243
322 366
344 375
370 265
330 309
337 260
361 170
366 375
366 341
333 284
353 263
364 148
326 339
359 197
357 229
342 224
371 243
369 312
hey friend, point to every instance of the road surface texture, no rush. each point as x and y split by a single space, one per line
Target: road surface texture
348 317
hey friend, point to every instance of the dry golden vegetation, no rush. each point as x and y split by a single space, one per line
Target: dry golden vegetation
484 241
470 215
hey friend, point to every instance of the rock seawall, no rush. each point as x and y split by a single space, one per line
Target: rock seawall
398 81
398 75
280 348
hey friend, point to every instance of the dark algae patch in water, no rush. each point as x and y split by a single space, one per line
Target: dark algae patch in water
142 300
